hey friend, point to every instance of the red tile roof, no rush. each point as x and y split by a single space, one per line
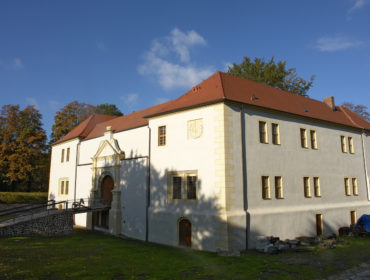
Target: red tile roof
221 87
84 128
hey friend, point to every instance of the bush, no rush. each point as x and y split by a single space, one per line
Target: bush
23 197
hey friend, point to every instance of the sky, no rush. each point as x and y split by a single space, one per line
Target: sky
136 54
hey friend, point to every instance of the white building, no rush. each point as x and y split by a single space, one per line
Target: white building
226 162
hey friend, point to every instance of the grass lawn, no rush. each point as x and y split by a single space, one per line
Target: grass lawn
89 255
23 197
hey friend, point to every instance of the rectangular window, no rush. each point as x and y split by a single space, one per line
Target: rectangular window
354 186
313 139
346 186
162 135
275 134
319 225
353 217
278 187
350 145
62 159
63 187
263 132
303 138
176 185
343 144
265 187
316 185
191 187
307 188
67 157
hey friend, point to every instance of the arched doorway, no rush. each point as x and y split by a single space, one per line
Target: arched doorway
102 217
185 232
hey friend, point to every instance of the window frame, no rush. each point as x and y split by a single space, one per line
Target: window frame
184 186
62 156
263 132
343 144
316 186
275 135
313 139
347 188
354 186
266 189
67 154
303 137
351 147
307 187
63 187
279 191
162 133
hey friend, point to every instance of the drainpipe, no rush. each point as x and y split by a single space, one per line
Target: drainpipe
244 166
365 164
147 189
77 160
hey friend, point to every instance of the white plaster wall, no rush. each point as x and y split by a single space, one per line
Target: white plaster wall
293 215
63 169
134 142
84 186
366 139
183 154
133 197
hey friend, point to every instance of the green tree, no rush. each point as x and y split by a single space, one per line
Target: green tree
22 147
359 109
108 109
272 73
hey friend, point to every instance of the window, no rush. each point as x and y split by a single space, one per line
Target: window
162 135
307 188
303 138
63 186
62 159
263 132
195 129
316 185
191 187
67 158
350 145
176 184
343 144
275 134
353 217
182 186
265 187
278 187
313 139
346 186
354 186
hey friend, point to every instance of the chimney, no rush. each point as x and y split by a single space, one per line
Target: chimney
330 102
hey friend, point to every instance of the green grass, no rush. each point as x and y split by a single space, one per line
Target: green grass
23 197
89 255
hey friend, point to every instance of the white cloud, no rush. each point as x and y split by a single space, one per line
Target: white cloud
32 101
172 74
226 66
358 4
17 64
337 43
130 99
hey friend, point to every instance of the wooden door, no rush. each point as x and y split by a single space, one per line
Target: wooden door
319 224
185 233
106 190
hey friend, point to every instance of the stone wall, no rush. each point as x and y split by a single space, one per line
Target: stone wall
56 223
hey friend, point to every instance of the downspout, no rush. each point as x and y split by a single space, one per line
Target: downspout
77 160
244 166
365 166
147 189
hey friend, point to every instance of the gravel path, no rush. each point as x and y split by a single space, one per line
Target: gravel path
360 272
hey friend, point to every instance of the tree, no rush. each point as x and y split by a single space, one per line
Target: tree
359 109
69 117
74 113
272 73
22 146
108 109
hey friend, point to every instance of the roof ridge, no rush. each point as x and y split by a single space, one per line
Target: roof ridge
344 108
222 84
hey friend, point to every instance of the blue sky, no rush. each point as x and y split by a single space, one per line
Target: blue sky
138 53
